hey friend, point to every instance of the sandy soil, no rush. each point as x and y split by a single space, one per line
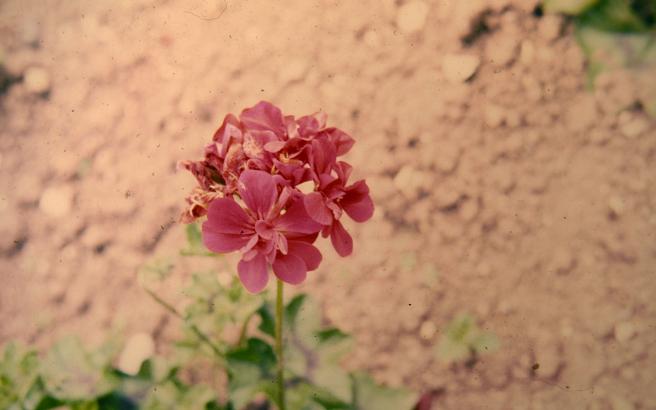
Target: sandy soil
503 187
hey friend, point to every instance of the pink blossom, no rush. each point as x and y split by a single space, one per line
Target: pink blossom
333 197
248 187
273 229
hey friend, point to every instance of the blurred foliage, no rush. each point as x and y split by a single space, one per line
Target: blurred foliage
71 376
616 34
195 245
463 340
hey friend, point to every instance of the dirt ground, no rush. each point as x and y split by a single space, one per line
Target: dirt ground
504 187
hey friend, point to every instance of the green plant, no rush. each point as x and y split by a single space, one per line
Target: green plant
79 378
463 340
616 34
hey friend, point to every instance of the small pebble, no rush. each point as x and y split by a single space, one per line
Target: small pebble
57 201
624 331
427 330
446 196
37 80
446 158
460 67
293 70
410 181
411 17
501 50
138 348
620 403
616 206
549 27
493 115
468 210
549 359
563 261
632 126
582 114
526 53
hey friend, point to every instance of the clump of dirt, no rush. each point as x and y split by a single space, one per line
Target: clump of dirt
504 187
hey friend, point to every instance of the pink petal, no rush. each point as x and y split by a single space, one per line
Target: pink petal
264 230
263 116
317 209
226 216
344 170
229 128
281 243
221 242
357 203
342 141
274 146
297 220
258 190
254 274
311 124
323 155
290 268
341 240
252 241
361 210
310 254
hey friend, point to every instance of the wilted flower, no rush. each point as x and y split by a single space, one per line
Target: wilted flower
248 188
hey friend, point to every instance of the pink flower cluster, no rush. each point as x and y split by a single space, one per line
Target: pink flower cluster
248 186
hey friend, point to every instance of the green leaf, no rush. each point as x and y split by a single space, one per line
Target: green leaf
47 403
116 401
156 270
174 395
257 352
616 50
485 343
462 339
195 246
571 7
267 322
371 396
250 371
213 307
613 15
305 396
331 334
293 308
19 377
194 236
314 352
449 351
73 374
460 328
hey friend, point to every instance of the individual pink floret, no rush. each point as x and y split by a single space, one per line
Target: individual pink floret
272 230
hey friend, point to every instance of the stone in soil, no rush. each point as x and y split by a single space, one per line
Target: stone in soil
37 80
632 125
624 331
501 50
459 67
57 201
411 17
138 348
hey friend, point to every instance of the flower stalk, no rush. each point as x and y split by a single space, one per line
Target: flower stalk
279 346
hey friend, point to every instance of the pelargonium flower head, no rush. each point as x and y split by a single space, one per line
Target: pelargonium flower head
273 229
248 186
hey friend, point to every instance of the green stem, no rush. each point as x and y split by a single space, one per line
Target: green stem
202 336
244 329
279 349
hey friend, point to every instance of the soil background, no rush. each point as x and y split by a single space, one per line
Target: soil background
504 186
